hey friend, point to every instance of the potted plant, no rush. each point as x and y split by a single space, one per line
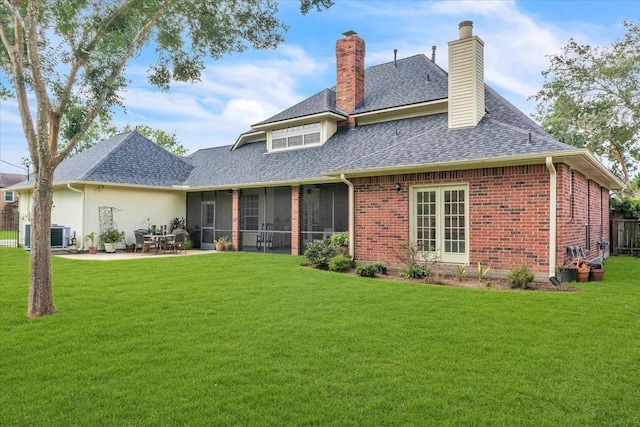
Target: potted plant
91 237
583 270
110 238
130 247
177 224
221 243
341 239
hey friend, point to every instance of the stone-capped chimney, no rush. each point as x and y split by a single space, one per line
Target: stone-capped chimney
350 71
466 78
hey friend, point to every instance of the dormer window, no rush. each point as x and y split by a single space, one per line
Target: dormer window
296 136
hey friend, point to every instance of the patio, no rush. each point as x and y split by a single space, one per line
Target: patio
120 255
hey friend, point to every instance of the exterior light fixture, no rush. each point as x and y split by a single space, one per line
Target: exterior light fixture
398 186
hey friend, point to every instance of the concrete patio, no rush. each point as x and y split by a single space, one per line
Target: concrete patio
120 255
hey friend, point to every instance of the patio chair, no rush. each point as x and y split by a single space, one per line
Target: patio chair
177 243
142 243
265 237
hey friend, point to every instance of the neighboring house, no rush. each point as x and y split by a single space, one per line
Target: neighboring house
401 151
9 197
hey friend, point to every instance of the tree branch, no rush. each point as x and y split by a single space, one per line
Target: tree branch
93 112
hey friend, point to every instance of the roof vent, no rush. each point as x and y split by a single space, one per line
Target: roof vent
395 56
433 54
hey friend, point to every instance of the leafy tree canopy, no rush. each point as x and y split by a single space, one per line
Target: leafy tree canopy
591 98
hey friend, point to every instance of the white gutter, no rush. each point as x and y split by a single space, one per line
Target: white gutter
553 192
352 222
82 216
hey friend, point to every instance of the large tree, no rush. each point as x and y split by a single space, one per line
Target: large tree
591 98
66 59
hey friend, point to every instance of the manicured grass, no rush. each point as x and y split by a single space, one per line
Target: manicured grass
8 234
245 339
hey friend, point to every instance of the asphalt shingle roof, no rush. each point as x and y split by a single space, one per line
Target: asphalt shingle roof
322 102
127 158
425 140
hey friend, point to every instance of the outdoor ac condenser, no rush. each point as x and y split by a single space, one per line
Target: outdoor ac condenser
59 236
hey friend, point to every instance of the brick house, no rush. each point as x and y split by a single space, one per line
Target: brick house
9 197
401 151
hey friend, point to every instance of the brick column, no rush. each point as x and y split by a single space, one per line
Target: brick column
235 222
295 220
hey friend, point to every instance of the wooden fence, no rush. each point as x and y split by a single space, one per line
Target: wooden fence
625 236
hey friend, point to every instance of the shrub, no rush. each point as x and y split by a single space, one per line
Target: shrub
415 272
369 270
340 239
320 253
419 261
520 277
340 262
461 271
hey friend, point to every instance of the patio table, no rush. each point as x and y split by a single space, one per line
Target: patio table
158 239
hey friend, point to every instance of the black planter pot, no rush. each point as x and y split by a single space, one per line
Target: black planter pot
568 275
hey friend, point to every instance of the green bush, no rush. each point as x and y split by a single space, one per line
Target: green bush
320 253
520 278
369 270
340 262
340 239
415 271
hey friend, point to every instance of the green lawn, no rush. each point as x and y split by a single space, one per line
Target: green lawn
245 339
8 234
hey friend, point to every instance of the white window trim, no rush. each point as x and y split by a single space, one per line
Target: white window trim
294 131
456 258
13 198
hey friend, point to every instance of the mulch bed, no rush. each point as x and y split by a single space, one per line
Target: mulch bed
472 282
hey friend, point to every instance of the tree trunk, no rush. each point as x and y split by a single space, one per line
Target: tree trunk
40 290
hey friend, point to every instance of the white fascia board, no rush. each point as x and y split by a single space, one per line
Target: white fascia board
299 121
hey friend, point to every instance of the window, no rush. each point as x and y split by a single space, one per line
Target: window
250 211
8 196
296 136
439 221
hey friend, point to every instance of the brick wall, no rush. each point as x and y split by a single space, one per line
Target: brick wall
583 213
509 214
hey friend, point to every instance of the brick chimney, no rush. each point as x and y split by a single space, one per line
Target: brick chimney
466 78
349 72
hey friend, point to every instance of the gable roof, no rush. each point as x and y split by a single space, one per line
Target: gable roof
322 102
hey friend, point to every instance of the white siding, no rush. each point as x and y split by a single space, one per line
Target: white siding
466 82
133 208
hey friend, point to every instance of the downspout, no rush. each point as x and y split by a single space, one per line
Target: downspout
352 221
82 216
552 215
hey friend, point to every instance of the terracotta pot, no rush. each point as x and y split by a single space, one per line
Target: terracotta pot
583 274
219 246
596 274
130 248
93 250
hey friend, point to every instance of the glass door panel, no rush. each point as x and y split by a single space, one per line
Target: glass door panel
207 219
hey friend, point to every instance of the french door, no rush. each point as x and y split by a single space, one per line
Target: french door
439 221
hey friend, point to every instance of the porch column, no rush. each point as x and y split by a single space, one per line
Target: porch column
295 220
235 221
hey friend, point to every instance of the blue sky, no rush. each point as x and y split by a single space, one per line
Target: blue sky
246 88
